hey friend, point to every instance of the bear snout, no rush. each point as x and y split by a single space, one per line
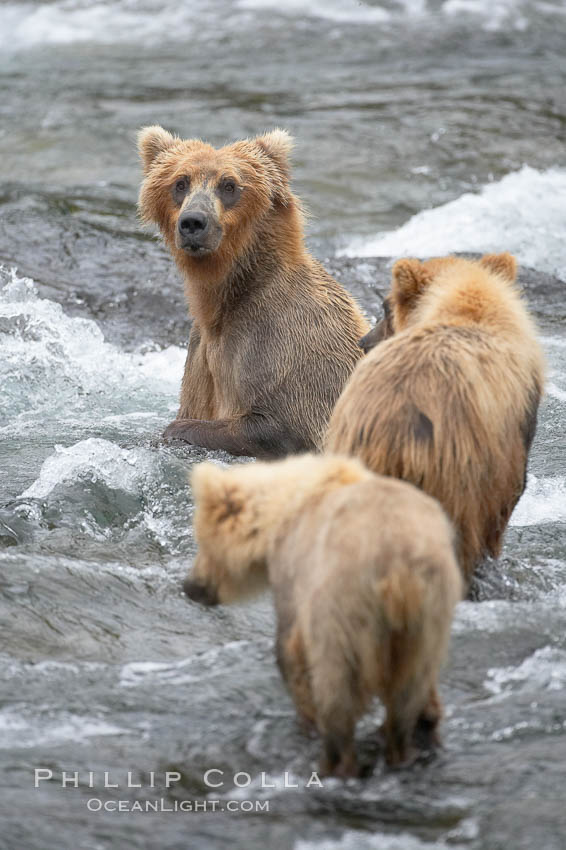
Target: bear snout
193 231
198 231
203 593
371 339
198 228
193 223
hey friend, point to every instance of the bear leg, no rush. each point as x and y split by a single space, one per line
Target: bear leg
403 709
292 662
337 712
252 436
339 757
426 735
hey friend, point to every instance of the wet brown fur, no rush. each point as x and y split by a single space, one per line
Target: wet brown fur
364 579
274 337
449 402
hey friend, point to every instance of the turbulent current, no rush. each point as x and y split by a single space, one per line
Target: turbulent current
422 126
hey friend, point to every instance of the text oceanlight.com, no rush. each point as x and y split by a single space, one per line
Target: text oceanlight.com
95 804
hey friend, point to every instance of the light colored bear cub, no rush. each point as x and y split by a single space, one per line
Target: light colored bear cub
364 579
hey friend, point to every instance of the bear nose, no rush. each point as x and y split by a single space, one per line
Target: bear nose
200 592
193 223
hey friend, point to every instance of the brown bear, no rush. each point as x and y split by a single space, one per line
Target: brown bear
365 581
274 337
449 401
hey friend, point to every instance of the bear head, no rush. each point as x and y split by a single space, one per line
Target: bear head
207 201
412 278
242 514
231 561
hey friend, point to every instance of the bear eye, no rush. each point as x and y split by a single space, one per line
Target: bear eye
229 192
181 185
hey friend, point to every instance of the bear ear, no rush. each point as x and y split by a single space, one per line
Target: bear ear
151 142
277 145
503 264
410 279
216 492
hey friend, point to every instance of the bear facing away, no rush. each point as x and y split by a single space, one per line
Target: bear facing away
364 580
274 337
449 401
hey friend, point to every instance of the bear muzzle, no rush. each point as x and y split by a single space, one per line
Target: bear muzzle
203 593
198 230
381 331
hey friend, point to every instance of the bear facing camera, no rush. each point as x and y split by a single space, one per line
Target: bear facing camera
274 337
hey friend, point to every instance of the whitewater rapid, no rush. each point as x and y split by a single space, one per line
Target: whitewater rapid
524 213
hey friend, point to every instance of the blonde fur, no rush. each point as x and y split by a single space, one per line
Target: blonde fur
364 579
449 402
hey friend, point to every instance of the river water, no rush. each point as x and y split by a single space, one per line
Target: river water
422 126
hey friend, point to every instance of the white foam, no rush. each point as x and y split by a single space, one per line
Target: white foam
338 11
555 385
93 459
554 341
155 483
179 672
544 670
493 14
524 212
490 15
26 25
555 391
16 732
358 840
543 501
494 616
53 364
